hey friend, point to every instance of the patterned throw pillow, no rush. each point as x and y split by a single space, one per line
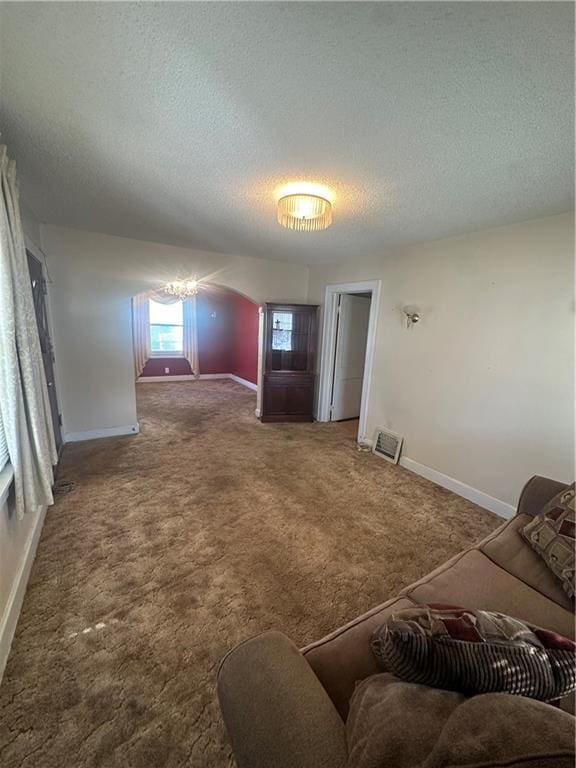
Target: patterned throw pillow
475 652
551 534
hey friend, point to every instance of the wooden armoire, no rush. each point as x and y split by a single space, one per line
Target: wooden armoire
289 359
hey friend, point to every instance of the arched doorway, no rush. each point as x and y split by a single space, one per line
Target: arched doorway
226 328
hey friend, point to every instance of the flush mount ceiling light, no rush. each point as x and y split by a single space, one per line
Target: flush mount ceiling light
304 212
182 289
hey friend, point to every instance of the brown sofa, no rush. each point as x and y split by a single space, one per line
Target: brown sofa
287 708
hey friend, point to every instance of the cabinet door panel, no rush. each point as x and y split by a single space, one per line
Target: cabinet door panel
290 343
299 399
275 401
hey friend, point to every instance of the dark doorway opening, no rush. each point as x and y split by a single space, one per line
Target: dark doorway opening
38 283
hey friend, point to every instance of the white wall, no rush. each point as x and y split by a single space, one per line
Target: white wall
31 227
18 542
18 538
93 279
483 387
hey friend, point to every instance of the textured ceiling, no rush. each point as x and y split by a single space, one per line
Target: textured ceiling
177 122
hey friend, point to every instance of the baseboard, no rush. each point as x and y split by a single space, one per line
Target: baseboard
157 379
94 434
244 382
191 377
10 618
501 508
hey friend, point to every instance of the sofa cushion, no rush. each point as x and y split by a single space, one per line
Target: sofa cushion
507 548
473 579
405 725
552 535
343 657
537 492
473 652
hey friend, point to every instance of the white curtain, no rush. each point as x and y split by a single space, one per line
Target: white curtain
24 401
190 342
140 332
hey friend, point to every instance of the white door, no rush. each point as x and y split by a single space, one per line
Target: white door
353 315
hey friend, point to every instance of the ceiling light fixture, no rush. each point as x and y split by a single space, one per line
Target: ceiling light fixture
304 212
183 289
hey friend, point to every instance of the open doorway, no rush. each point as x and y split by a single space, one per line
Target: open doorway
216 337
38 283
184 341
350 316
349 358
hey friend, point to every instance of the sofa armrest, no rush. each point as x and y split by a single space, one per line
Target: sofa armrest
275 709
537 492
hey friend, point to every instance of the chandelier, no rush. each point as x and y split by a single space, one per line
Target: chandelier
182 289
304 212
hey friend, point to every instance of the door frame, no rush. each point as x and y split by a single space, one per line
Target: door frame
328 347
40 264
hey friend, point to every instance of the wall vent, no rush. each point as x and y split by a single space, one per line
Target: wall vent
387 445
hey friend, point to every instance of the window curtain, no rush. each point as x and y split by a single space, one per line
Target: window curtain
140 332
4 458
24 403
190 329
190 342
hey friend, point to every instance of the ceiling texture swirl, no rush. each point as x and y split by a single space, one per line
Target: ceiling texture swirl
180 123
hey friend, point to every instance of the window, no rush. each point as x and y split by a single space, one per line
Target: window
4 458
166 334
282 331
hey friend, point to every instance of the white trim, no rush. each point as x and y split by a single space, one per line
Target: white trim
12 611
93 434
244 382
257 413
260 373
6 477
191 377
161 377
500 508
329 347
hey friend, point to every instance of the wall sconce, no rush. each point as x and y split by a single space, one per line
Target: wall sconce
412 316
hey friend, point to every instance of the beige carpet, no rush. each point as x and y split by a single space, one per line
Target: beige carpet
178 543
351 427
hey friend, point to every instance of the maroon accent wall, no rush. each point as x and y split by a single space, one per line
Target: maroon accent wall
227 338
245 339
215 316
178 366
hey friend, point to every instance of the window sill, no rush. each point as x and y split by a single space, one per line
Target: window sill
167 355
6 478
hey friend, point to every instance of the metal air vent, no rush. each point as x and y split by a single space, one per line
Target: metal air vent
387 445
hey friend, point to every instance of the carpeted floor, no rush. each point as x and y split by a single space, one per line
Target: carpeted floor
178 543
